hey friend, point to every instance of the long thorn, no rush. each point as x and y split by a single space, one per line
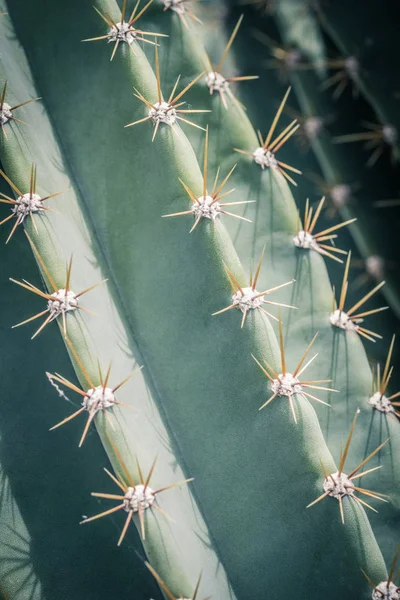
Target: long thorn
276 119
103 514
348 442
229 44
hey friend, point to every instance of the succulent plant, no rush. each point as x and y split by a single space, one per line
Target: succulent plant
196 419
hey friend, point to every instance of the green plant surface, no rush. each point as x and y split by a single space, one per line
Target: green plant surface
367 33
166 284
342 357
45 478
147 437
340 165
304 32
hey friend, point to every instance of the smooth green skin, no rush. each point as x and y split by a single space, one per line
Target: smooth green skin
154 319
341 357
138 432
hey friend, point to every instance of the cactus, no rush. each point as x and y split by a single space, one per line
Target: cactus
358 108
188 344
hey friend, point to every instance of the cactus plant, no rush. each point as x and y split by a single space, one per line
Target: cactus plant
361 103
168 369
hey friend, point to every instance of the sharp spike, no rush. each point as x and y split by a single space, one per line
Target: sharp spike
344 283
292 408
175 100
368 312
3 95
365 472
141 522
364 503
385 378
189 192
31 288
68 278
286 166
315 398
11 184
85 431
205 164
281 135
126 379
116 481
276 119
286 176
263 369
159 94
75 414
141 478
229 44
133 20
103 514
321 497
375 495
281 346
133 13
334 228
304 355
105 18
341 508
197 221
371 583
235 281
258 269
278 287
173 485
150 473
160 582
107 496
125 528
308 363
222 185
325 472
348 442
137 122
268 401
306 215
196 589
43 325
365 298
354 471
316 215
283 141
67 383
123 11
30 319
24 104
